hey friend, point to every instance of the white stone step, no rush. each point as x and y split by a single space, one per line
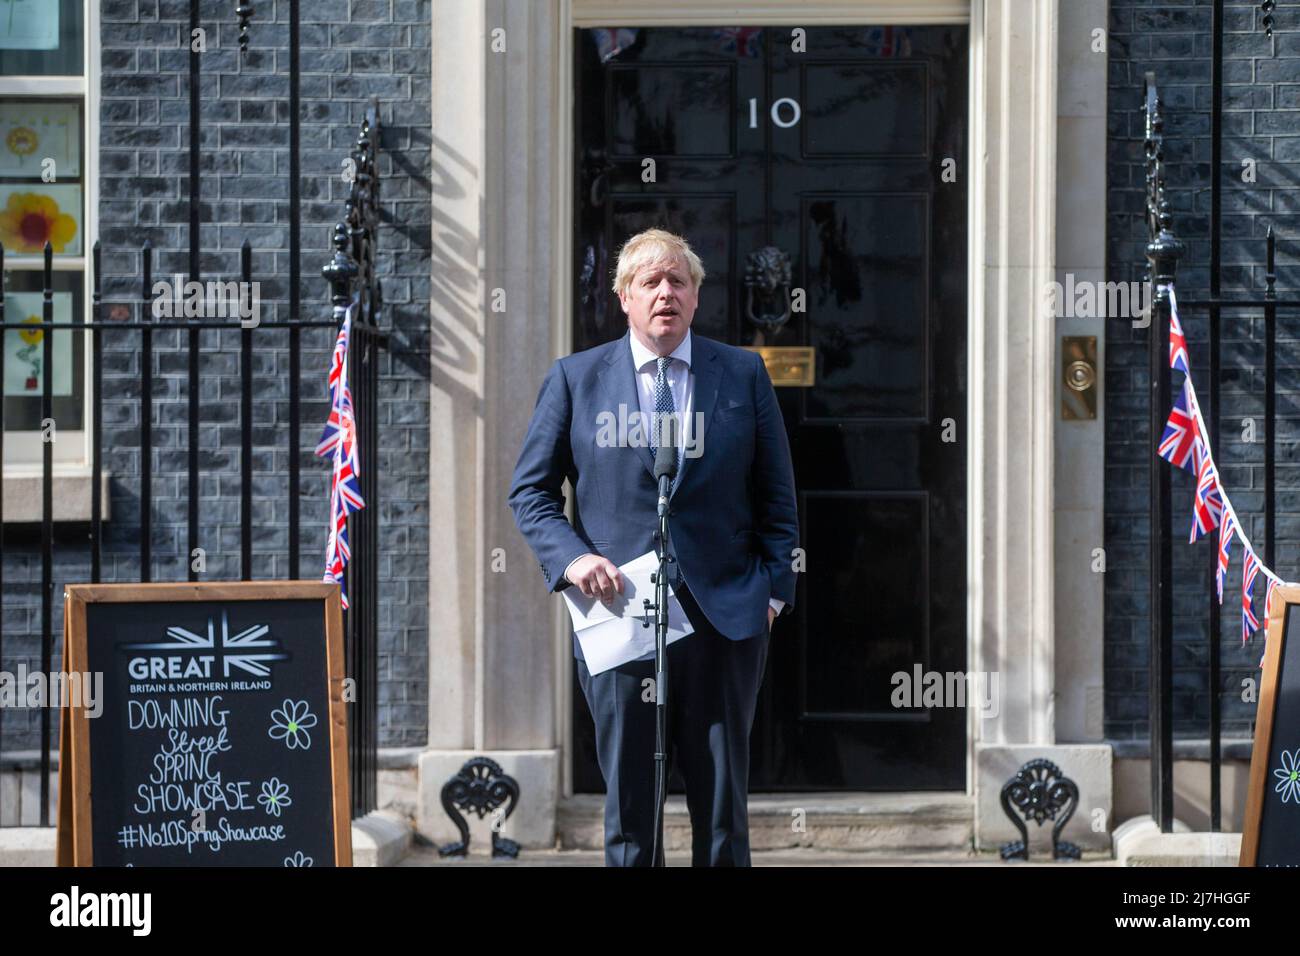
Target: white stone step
920 822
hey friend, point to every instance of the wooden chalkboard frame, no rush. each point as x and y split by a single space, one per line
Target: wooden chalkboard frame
1275 627
74 830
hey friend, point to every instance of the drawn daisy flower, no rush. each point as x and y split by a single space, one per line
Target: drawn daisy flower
290 723
298 859
1288 778
29 220
275 796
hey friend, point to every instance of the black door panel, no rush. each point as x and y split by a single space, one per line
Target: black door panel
836 156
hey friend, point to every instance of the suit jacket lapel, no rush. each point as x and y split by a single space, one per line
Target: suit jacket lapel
618 380
708 377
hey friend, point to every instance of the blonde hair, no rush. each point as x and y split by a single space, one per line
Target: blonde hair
652 246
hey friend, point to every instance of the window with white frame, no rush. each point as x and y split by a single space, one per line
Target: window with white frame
48 135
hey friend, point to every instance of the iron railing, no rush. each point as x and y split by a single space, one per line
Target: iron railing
354 263
1163 252
352 274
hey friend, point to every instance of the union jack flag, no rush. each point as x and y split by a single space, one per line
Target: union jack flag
611 41
888 41
1225 545
339 443
743 41
1181 443
1208 507
1177 340
1249 623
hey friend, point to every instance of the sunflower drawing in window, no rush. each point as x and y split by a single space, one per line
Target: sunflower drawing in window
29 220
22 141
30 353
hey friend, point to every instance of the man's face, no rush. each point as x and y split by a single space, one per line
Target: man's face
660 304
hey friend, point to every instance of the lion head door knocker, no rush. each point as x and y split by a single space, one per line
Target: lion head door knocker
767 292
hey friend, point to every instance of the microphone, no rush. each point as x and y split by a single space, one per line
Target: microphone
665 472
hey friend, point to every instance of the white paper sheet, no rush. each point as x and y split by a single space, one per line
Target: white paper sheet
613 635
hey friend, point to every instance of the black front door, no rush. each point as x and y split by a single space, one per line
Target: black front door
848 160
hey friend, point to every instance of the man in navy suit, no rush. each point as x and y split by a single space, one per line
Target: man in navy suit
733 528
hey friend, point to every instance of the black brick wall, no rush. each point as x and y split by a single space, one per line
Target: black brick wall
351 50
1261 122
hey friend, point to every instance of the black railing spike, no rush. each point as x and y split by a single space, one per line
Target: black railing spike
1270 274
351 269
340 237
97 423
146 285
1162 253
146 412
1267 8
245 13
340 271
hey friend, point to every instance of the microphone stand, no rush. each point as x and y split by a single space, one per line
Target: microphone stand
665 472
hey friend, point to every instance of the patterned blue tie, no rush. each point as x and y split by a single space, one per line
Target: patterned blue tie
664 409
664 415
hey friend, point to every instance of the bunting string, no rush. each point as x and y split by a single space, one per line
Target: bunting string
1186 444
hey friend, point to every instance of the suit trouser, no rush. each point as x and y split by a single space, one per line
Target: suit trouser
713 687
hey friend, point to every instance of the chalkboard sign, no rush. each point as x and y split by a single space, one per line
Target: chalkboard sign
1271 828
221 738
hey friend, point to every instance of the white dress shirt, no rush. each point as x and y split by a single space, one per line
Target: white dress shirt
681 380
